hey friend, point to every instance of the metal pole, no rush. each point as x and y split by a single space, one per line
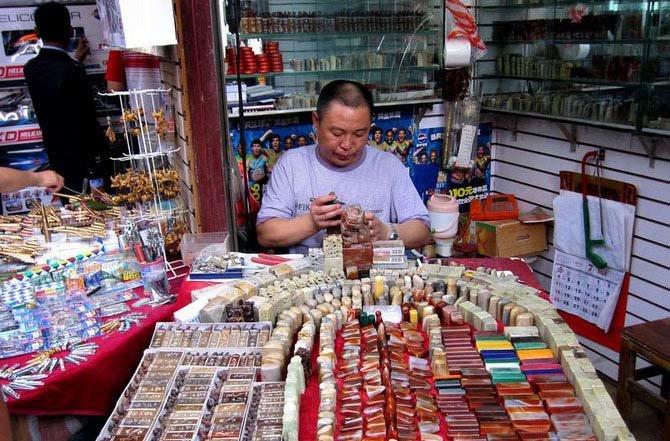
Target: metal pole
217 12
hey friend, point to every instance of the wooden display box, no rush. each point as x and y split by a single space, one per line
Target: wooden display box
508 238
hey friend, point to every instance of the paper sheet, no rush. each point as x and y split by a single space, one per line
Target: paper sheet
618 221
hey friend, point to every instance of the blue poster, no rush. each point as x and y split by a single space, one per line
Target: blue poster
392 132
469 183
424 164
419 150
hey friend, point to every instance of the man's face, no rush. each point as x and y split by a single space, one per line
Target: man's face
342 133
378 136
480 151
401 135
275 144
433 156
288 143
302 141
389 136
256 149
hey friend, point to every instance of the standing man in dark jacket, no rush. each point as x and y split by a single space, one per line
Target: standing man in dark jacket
62 98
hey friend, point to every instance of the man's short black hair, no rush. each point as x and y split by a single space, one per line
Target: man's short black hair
52 21
347 93
273 137
257 141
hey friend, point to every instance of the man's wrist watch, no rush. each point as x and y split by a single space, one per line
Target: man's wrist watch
394 232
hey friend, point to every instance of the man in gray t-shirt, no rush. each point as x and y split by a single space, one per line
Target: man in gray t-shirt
297 206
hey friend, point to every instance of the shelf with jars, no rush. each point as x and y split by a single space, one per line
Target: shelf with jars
290 49
657 112
525 4
330 34
602 62
327 70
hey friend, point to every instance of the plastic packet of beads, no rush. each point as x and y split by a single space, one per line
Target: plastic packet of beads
112 310
100 300
13 344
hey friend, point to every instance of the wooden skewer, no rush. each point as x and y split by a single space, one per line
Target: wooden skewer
45 224
69 196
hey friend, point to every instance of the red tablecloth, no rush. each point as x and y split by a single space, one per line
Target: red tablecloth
93 387
191 285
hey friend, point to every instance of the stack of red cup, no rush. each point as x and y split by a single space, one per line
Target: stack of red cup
275 57
247 61
263 63
230 61
269 61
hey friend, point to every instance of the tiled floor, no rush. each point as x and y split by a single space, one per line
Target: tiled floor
645 423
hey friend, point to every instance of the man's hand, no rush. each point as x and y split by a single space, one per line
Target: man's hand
323 213
378 230
50 179
83 49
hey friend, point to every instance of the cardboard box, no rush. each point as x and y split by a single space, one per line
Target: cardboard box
507 238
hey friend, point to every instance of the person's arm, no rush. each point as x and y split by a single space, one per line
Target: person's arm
281 233
13 180
408 210
266 172
83 49
417 152
412 232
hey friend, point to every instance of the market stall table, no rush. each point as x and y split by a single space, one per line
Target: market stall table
93 387
310 400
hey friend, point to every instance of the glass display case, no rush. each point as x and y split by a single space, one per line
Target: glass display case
656 118
291 48
602 62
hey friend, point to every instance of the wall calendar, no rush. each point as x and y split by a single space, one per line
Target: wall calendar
579 288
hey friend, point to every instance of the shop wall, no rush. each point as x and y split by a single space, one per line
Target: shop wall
171 74
528 166
201 110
